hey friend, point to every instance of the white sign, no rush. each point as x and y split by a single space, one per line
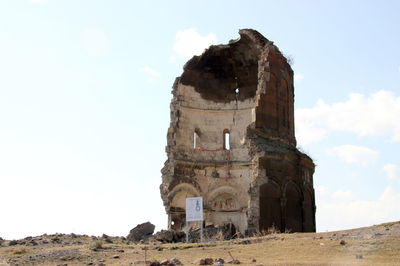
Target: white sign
194 209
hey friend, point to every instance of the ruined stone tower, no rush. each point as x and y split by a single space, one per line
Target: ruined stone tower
231 140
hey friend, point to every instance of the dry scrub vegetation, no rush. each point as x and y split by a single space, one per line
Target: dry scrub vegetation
376 245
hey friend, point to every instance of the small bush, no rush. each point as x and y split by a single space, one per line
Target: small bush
270 231
219 236
108 240
96 244
273 230
288 231
13 243
18 251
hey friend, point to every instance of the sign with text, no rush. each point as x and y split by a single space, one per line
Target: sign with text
194 209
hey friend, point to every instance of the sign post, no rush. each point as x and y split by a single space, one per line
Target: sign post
194 213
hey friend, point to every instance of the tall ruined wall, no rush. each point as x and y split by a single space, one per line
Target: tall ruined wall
231 140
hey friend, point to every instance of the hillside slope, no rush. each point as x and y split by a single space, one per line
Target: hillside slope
375 245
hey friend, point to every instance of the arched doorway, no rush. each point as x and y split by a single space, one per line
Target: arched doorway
293 210
270 207
308 212
177 214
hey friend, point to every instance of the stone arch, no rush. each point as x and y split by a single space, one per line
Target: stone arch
224 207
308 211
223 199
177 199
293 208
182 190
270 206
224 202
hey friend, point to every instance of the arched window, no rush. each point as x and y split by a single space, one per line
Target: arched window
227 143
196 138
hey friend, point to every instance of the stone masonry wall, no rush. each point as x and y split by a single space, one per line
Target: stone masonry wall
231 140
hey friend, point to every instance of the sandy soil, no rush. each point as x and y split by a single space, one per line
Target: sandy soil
375 245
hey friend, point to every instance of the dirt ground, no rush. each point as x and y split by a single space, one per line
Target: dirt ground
375 245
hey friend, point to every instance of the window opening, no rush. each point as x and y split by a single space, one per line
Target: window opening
195 138
227 145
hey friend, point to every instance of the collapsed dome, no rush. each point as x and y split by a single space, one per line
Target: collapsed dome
221 70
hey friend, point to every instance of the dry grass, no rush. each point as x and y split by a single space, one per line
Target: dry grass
96 244
362 247
18 251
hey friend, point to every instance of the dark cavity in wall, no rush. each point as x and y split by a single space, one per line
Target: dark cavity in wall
222 71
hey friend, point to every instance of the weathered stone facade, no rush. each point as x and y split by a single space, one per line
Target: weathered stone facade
231 140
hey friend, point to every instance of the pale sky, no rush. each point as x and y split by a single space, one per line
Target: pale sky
85 92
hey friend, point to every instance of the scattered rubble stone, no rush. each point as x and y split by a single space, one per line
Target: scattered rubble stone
115 257
204 261
141 232
165 236
169 236
175 261
140 262
108 240
52 254
214 232
13 243
32 243
342 242
170 262
208 261
56 240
